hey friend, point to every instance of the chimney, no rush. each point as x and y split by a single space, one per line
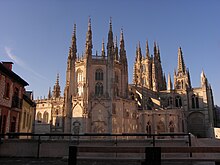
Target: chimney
8 65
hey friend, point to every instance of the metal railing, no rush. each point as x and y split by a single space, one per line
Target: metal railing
77 138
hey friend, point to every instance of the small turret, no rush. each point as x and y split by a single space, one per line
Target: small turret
56 88
204 81
103 49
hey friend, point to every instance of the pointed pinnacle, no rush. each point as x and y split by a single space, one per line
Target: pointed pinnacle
110 24
89 24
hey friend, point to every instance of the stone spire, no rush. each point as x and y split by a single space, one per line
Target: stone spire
123 60
147 51
181 66
56 88
138 53
116 49
88 51
73 46
155 49
169 83
110 44
123 56
103 49
158 53
154 77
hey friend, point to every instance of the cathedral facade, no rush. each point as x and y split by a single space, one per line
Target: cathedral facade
98 99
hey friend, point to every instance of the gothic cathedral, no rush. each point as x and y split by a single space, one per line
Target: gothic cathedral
98 99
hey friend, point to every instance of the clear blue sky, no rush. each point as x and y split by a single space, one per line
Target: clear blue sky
36 35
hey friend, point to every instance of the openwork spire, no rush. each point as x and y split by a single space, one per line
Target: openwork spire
181 66
123 57
110 44
73 48
110 35
89 46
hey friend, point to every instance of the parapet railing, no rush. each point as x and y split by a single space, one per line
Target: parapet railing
76 137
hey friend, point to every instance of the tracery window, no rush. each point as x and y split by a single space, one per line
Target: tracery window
98 89
148 128
178 101
79 76
195 101
99 75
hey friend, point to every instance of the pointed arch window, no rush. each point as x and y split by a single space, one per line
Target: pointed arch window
148 128
160 127
98 89
171 126
99 75
195 101
178 101
45 117
79 76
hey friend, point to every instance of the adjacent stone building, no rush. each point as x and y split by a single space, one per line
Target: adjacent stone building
98 99
12 89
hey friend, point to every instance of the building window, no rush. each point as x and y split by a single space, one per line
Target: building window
79 76
178 101
7 90
170 101
98 89
99 75
46 117
195 101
